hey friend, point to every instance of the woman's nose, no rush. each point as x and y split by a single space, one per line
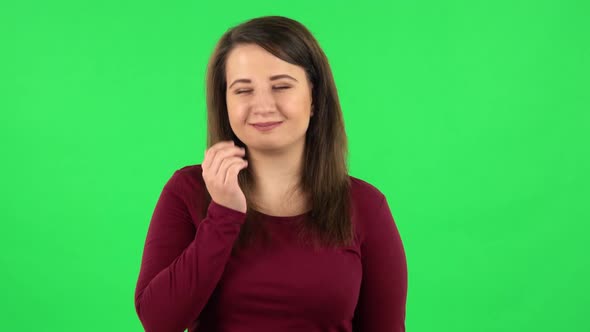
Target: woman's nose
263 101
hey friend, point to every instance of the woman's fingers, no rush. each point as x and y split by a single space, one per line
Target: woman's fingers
221 156
230 169
210 153
222 163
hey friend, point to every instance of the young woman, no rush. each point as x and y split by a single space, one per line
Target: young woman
270 232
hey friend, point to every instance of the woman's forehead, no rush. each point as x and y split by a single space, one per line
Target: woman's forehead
255 63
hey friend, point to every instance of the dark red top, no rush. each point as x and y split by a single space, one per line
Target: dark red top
188 270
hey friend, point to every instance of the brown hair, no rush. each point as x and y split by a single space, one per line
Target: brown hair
325 179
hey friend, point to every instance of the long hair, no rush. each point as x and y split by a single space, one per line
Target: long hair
325 179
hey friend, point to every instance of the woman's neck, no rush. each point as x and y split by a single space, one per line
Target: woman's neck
277 175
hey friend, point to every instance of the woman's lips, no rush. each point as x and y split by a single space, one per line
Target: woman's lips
266 126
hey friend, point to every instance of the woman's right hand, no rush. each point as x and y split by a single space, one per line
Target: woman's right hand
221 165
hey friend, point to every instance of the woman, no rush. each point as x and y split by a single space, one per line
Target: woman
270 233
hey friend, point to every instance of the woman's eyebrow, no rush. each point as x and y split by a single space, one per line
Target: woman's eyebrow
272 78
276 77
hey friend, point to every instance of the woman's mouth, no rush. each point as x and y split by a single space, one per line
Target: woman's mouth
266 126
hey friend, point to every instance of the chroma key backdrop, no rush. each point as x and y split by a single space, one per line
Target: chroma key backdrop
472 117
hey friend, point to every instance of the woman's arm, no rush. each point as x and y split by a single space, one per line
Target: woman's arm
382 300
181 266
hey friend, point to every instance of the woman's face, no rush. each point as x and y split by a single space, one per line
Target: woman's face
262 88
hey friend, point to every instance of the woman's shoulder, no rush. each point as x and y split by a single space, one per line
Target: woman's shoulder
190 173
187 180
366 202
188 184
191 176
362 190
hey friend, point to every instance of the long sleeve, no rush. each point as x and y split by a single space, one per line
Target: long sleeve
182 263
382 300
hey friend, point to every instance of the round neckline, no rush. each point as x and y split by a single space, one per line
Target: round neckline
282 218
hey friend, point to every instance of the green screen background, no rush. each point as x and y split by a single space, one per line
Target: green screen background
471 117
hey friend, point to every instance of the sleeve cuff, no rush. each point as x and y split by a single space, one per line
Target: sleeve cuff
218 211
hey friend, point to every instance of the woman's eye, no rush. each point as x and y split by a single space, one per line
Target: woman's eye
278 88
